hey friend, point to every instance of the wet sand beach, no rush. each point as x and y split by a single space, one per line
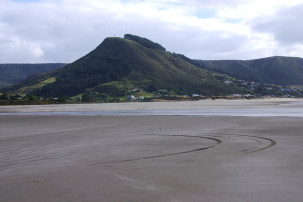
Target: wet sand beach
151 158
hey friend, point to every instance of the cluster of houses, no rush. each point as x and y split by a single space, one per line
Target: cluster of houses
260 90
269 90
132 98
161 92
252 85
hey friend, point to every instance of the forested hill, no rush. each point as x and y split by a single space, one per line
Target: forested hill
13 73
119 65
276 70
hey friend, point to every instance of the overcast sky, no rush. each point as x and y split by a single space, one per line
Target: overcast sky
64 30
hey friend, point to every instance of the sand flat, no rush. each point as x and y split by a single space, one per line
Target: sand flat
151 158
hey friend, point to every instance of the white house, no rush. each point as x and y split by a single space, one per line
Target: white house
131 97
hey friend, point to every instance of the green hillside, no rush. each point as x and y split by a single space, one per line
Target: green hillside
119 65
276 70
13 73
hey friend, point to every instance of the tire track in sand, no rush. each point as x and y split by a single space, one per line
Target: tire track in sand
217 142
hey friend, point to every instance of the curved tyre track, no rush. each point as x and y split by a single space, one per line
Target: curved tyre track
218 141
260 140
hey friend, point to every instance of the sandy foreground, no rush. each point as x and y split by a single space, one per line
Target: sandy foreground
151 158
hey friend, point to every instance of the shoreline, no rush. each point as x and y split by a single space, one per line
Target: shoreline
179 105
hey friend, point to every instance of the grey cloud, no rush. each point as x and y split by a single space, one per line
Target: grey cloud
285 25
64 32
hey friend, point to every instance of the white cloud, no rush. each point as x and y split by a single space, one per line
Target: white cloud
64 30
248 10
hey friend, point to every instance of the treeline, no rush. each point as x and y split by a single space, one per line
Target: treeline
6 99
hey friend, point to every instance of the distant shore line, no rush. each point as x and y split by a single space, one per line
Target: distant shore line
8 102
165 105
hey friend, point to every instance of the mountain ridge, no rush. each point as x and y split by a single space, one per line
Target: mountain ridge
117 66
279 70
125 60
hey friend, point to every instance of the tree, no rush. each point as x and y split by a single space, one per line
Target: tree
62 99
104 97
31 97
151 88
4 97
87 96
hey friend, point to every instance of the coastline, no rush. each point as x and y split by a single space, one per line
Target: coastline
180 105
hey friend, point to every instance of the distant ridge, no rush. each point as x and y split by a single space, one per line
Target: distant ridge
277 70
13 73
